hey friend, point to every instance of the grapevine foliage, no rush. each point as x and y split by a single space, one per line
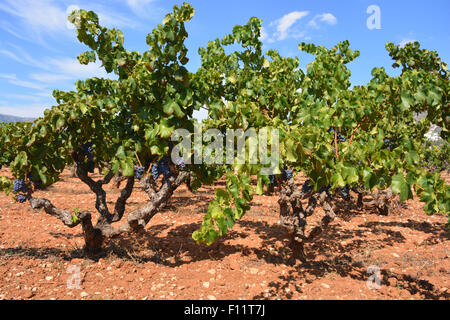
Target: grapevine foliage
341 137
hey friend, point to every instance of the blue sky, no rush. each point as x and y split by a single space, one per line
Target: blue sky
38 49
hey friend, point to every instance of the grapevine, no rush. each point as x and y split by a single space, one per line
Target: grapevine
364 138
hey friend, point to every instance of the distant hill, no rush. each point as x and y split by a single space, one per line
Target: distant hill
8 118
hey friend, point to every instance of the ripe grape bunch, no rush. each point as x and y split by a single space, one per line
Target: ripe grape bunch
286 174
161 167
388 144
21 198
20 186
139 171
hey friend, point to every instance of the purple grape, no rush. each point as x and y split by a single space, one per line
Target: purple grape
139 171
163 166
155 171
21 198
286 174
19 186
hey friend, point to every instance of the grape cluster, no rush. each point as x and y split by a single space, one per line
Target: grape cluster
340 138
286 174
181 164
19 186
388 144
155 171
21 198
161 167
345 192
139 171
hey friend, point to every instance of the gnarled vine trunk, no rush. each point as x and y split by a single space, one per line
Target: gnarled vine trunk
294 217
95 236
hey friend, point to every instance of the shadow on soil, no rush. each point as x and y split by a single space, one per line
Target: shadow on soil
329 254
316 270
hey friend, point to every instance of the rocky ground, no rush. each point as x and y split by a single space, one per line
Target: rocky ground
40 258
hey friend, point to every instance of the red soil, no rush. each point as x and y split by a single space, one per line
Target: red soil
410 249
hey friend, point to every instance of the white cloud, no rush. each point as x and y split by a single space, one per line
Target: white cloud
12 79
57 69
20 97
284 24
11 55
8 27
73 69
21 56
49 77
110 18
327 18
35 19
45 94
144 8
40 16
405 41
32 110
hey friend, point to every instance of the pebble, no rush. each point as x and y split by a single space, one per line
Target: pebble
325 285
48 278
212 298
206 285
253 271
84 294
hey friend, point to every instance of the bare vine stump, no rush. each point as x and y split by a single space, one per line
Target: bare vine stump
294 217
383 201
93 237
